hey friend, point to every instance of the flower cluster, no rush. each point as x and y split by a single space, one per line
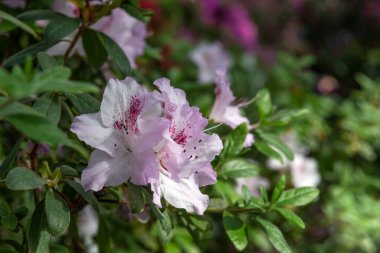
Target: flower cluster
153 138
128 32
303 169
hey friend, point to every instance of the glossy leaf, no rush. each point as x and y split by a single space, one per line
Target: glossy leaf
275 235
298 196
278 189
88 196
84 103
236 230
136 198
118 58
291 216
238 168
95 51
7 163
60 27
234 142
19 23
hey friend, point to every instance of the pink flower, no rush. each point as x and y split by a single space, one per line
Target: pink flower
233 18
304 171
128 32
123 133
185 154
209 57
223 110
253 184
241 25
149 138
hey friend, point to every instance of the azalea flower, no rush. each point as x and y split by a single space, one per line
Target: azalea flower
304 170
128 32
233 19
123 134
223 110
88 225
253 184
209 57
185 154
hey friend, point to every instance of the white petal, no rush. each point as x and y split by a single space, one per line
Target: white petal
104 170
183 193
117 97
91 130
201 153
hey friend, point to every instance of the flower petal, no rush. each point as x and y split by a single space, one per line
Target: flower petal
104 170
183 193
91 130
117 98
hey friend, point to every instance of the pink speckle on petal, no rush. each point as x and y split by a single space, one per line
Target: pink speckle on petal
136 106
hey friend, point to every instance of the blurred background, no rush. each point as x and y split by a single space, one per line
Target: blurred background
319 55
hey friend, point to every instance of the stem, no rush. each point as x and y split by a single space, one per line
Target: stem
67 108
74 42
34 165
235 210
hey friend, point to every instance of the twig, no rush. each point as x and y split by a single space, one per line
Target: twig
74 42
34 165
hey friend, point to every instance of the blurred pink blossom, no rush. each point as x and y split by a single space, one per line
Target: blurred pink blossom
234 18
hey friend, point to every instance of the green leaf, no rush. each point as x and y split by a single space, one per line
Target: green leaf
7 164
68 171
57 214
276 142
136 198
39 237
165 226
29 51
217 204
279 188
46 61
234 142
104 236
84 103
267 150
9 221
55 248
298 196
264 104
88 196
21 178
291 216
275 235
238 168
140 14
60 27
49 106
4 209
34 15
38 128
236 230
117 55
21 212
55 80
95 51
19 23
